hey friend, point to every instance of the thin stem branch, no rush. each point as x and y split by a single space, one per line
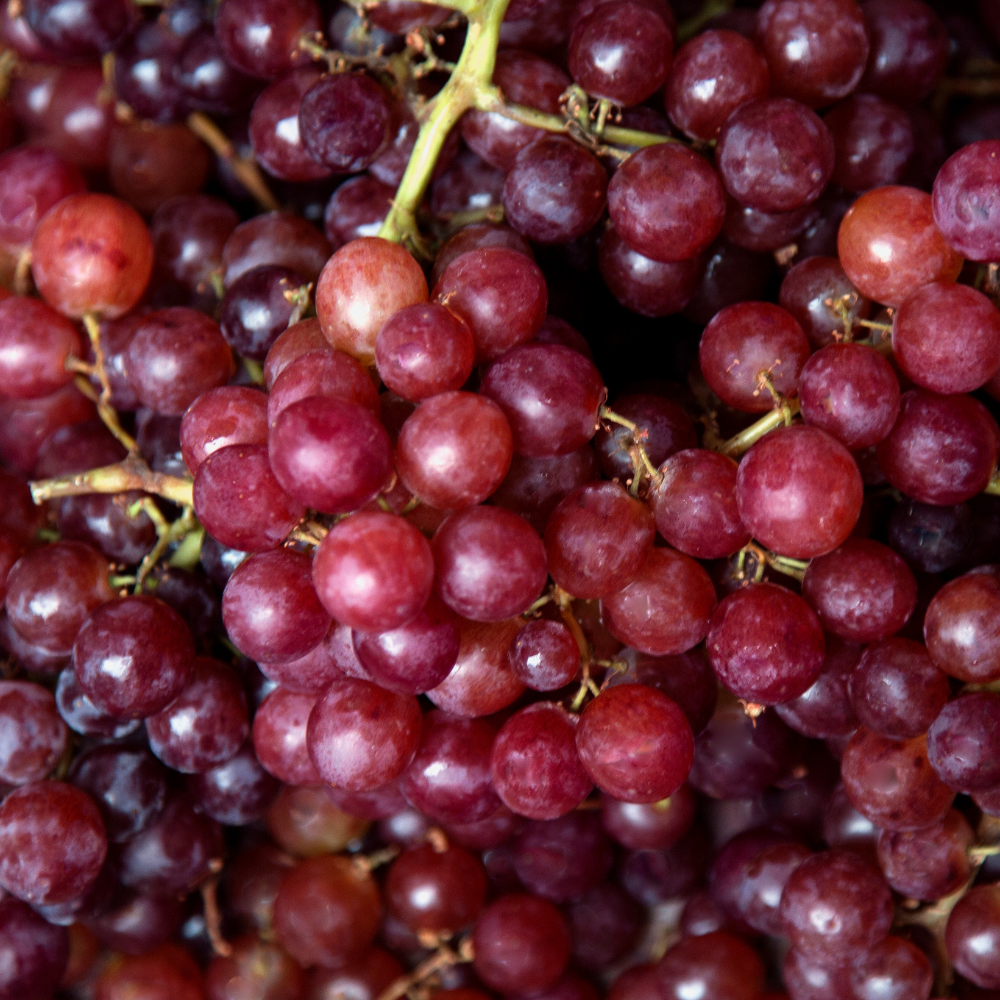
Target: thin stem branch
441 959
213 917
130 474
105 410
245 168
641 462
778 417
686 30
993 486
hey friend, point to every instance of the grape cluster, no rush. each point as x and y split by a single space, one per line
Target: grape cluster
552 551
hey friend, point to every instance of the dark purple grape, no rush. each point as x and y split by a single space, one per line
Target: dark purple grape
34 734
82 715
208 82
873 142
971 936
235 793
78 30
717 965
965 201
961 629
262 37
929 863
961 742
344 121
33 953
258 306
434 890
282 239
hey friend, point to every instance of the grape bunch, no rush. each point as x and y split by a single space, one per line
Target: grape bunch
500 500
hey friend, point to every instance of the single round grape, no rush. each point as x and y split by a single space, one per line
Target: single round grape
928 863
34 735
896 690
481 681
799 492
643 826
344 121
51 590
374 571
889 245
965 200
168 972
82 715
962 629
362 285
254 965
86 29
942 449
765 232
766 644
851 392
306 822
717 964
816 49
862 591
279 736
467 183
525 79
52 842
449 778
521 944
34 952
666 202
909 49
175 356
605 925
645 286
262 38
555 191
240 502
946 337
91 254
206 79
817 292
747 342
774 154
711 76
491 564
835 903
366 974
227 415
961 742
423 350
32 180
357 208
535 768
325 909
635 743
236 792
873 142
550 395
300 338
892 783
360 736
809 979
665 609
544 655
694 504
258 306
133 656
282 239
433 890
971 936
454 450
620 52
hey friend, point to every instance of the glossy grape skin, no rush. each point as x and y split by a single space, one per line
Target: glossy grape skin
436 890
525 79
851 392
544 655
373 572
946 337
468 183
835 902
68 580
454 450
892 782
712 75
34 736
363 976
555 191
87 29
168 972
971 938
92 254
744 342
188 234
889 245
694 504
361 286
816 50
666 202
32 180
298 339
665 608
811 290
478 236
961 742
423 350
344 121
809 979
909 49
52 842
357 208
928 863
964 200
345 900
873 142
535 768
236 792
720 964
550 395
961 630
635 743
82 715
808 465
641 826
942 449
932 538
774 154
896 690
34 952
282 239
862 591
261 38
223 416
562 859
765 643
620 52
521 944
258 306
321 372
279 736
133 656
254 966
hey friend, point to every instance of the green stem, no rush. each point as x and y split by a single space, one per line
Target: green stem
686 30
778 417
993 486
130 474
472 73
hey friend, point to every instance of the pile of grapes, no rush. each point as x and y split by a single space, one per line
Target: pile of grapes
499 500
